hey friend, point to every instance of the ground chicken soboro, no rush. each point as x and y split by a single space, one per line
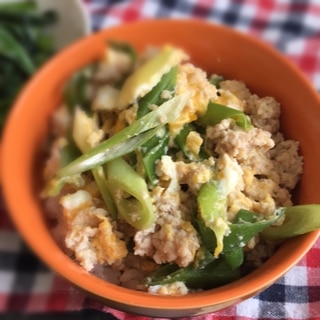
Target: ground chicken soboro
257 169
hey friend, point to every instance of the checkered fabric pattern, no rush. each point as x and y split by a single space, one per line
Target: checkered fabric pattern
291 26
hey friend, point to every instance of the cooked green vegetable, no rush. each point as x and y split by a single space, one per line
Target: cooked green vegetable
150 156
208 271
128 139
76 90
160 171
181 141
102 183
216 112
246 225
142 80
106 151
130 194
299 220
24 46
11 49
26 14
154 97
69 152
212 210
18 6
212 274
155 147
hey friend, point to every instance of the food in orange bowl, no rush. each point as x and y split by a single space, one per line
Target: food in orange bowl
219 51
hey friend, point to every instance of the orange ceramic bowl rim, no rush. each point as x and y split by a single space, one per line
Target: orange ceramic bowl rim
17 181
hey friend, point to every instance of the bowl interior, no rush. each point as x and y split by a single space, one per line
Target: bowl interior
214 48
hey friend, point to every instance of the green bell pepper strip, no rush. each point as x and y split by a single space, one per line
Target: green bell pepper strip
130 194
216 112
167 82
212 205
206 234
213 274
128 139
246 225
207 271
299 219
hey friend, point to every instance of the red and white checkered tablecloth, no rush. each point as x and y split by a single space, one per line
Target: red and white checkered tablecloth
291 26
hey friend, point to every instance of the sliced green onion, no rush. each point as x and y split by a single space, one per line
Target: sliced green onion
102 183
150 157
103 153
167 82
128 139
130 194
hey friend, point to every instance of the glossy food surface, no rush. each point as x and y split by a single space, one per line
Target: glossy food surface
218 50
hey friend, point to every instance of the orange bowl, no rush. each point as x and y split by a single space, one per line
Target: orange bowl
216 49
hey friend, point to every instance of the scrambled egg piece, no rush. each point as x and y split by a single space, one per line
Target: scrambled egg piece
230 100
194 82
113 65
90 234
238 90
106 99
194 174
194 142
229 174
86 132
176 288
